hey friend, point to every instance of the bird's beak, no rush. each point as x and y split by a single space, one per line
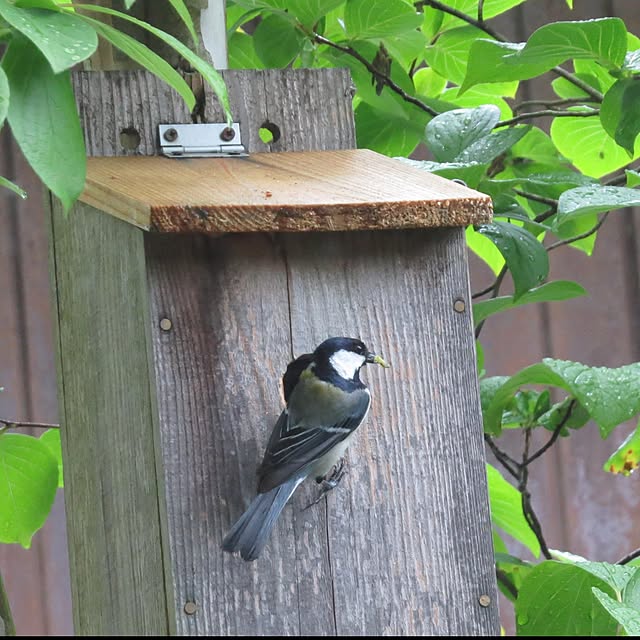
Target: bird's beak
372 358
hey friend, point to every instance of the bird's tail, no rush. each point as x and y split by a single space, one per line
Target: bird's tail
251 532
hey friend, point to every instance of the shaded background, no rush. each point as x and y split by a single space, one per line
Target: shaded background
582 509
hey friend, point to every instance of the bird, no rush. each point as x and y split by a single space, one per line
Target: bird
325 403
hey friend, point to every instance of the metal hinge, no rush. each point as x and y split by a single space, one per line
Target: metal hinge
201 140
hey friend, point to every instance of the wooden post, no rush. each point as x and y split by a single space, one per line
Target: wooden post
170 353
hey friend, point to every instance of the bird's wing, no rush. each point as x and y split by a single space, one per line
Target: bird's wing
292 374
293 450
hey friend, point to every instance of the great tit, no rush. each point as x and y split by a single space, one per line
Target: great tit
325 403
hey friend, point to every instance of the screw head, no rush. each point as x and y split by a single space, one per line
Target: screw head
484 600
459 305
227 134
166 324
170 135
190 608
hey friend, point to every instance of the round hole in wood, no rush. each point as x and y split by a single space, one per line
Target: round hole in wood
269 132
130 138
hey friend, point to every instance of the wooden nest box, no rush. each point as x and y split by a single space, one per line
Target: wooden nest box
183 287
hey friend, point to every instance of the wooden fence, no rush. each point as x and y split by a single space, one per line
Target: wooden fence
582 508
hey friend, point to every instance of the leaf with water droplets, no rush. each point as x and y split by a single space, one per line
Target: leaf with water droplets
526 258
64 39
626 616
556 600
594 198
450 133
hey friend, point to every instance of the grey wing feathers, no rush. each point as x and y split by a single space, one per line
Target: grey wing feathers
292 449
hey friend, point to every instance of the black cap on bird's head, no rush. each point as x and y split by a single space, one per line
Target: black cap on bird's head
346 355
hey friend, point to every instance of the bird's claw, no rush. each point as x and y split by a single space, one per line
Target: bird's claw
330 481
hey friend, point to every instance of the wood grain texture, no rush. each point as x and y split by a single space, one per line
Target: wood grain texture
306 191
109 426
410 527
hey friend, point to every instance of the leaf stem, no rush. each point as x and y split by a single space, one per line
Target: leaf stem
530 115
5 613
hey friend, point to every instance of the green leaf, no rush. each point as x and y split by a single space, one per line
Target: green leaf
450 133
488 63
615 575
632 62
526 258
631 593
51 437
488 388
609 395
485 250
28 482
308 12
626 458
146 58
470 172
277 41
555 600
517 570
204 68
374 19
603 40
595 198
480 359
482 94
42 113
7 184
558 414
633 178
565 89
549 292
429 83
490 147
64 39
586 144
128 4
388 134
242 53
181 9
449 55
506 511
620 113
626 616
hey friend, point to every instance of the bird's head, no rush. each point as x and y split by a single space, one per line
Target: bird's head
346 356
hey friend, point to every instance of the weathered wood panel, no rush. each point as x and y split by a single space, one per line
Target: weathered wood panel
403 512
107 404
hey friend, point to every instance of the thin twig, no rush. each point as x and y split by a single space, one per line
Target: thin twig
385 79
629 557
536 198
581 236
530 115
546 103
480 11
507 583
495 290
503 457
527 507
555 435
15 424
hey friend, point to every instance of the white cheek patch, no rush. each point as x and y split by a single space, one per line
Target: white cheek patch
346 363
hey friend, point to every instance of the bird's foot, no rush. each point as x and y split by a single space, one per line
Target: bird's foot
330 481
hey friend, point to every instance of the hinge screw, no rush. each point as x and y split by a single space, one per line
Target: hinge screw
170 135
227 134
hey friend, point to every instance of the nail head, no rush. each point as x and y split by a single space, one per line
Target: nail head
459 305
190 608
484 600
165 324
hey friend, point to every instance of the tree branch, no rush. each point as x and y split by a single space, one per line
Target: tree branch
530 115
546 103
555 435
536 198
14 424
503 457
629 557
507 583
581 236
382 77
